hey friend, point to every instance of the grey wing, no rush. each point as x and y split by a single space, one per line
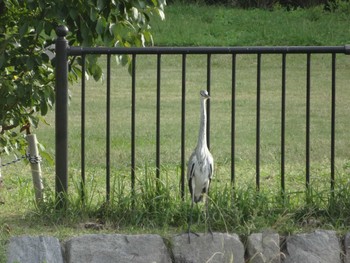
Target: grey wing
190 172
211 163
211 172
190 166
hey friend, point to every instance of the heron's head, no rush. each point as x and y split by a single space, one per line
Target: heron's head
204 94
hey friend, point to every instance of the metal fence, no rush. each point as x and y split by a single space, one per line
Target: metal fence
63 51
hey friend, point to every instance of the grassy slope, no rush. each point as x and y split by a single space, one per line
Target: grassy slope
197 25
220 26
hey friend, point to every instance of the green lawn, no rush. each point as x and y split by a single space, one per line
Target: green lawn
222 26
162 211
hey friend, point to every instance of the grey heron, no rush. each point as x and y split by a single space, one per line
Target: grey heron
201 163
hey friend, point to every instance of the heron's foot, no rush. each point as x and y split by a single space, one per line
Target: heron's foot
194 233
189 238
211 233
188 235
188 232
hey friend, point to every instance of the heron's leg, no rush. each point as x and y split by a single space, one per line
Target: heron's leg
207 214
190 223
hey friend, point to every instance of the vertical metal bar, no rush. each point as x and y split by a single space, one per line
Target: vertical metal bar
283 122
61 117
158 117
108 130
83 58
183 122
308 95
209 92
258 87
233 120
133 111
333 122
0 174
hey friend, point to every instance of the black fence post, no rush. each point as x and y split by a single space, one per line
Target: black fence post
61 116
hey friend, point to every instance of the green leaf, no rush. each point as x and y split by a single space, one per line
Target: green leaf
141 4
11 99
125 59
101 25
100 4
30 63
23 29
135 13
33 121
73 13
86 34
161 14
21 91
45 58
92 59
48 157
108 39
93 15
2 60
43 108
48 28
40 27
96 72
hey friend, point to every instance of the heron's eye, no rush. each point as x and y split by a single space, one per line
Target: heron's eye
204 93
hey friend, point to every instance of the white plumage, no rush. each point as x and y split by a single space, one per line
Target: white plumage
200 171
200 167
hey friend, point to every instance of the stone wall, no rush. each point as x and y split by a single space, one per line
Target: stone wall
319 246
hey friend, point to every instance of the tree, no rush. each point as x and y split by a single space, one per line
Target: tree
27 35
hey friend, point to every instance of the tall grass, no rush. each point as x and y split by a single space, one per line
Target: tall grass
156 206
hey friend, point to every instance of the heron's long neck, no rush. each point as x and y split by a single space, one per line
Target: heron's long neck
202 137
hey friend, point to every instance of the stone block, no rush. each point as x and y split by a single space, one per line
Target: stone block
27 249
263 248
111 248
218 248
347 248
317 247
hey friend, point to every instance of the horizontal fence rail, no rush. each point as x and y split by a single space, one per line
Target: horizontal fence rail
78 51
63 51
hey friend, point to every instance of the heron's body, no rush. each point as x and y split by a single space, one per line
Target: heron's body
200 167
200 171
